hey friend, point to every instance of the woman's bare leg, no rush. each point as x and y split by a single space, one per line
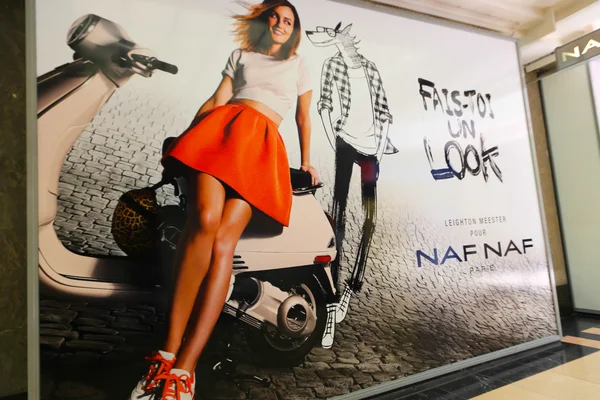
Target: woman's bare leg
236 216
193 254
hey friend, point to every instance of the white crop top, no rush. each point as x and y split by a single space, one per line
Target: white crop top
271 81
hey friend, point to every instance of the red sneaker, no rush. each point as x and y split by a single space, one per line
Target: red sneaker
179 385
161 363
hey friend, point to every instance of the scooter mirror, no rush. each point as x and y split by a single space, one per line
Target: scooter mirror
91 31
102 42
81 28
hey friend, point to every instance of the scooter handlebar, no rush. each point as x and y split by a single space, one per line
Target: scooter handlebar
153 63
163 66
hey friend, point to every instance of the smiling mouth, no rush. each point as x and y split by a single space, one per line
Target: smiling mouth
278 32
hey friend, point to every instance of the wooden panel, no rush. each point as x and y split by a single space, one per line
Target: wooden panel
582 341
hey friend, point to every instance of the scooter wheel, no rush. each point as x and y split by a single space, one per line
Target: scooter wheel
273 349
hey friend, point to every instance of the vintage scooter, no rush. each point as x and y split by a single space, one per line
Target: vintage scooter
281 278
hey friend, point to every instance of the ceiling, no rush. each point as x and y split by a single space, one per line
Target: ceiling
539 25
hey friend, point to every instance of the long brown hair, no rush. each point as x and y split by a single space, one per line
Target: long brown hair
250 28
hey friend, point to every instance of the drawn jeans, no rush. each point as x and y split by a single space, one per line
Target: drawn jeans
345 158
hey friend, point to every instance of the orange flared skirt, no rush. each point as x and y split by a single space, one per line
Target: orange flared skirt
242 148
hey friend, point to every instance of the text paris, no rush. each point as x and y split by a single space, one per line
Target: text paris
441 256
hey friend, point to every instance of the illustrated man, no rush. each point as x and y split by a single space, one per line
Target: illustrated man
359 136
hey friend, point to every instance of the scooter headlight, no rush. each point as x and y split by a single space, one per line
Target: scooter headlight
81 28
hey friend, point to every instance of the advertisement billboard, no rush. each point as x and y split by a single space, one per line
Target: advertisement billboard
409 239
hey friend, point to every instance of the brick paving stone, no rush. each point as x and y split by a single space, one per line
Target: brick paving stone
90 345
348 360
340 382
90 322
326 359
97 330
61 327
316 365
262 394
114 339
131 326
391 368
327 392
296 394
54 318
51 342
93 315
369 367
361 378
54 304
384 376
329 374
309 384
91 310
303 375
127 320
345 369
285 381
67 334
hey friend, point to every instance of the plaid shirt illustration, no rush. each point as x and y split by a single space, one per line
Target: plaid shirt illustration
336 70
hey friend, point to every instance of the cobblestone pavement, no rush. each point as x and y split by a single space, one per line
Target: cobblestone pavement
406 320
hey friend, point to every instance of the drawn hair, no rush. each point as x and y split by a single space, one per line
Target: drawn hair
346 37
250 28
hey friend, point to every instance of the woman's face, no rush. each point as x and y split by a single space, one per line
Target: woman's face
281 24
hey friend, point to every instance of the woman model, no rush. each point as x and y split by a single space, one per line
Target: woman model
236 164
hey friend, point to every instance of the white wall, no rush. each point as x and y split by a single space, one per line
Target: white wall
594 68
575 150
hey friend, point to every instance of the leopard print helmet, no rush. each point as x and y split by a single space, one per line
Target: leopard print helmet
134 223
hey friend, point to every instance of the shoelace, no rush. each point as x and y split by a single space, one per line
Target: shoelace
346 298
330 315
176 385
158 368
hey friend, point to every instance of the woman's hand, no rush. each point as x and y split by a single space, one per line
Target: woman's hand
313 173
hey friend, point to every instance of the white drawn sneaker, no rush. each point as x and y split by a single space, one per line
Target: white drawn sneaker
328 335
343 305
148 388
179 385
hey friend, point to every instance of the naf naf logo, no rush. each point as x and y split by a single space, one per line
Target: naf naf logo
439 256
579 50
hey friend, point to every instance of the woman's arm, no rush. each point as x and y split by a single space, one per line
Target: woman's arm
304 131
222 95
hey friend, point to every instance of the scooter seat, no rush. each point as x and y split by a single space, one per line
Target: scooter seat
299 179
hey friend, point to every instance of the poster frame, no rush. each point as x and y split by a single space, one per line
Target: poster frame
33 325
540 196
33 273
